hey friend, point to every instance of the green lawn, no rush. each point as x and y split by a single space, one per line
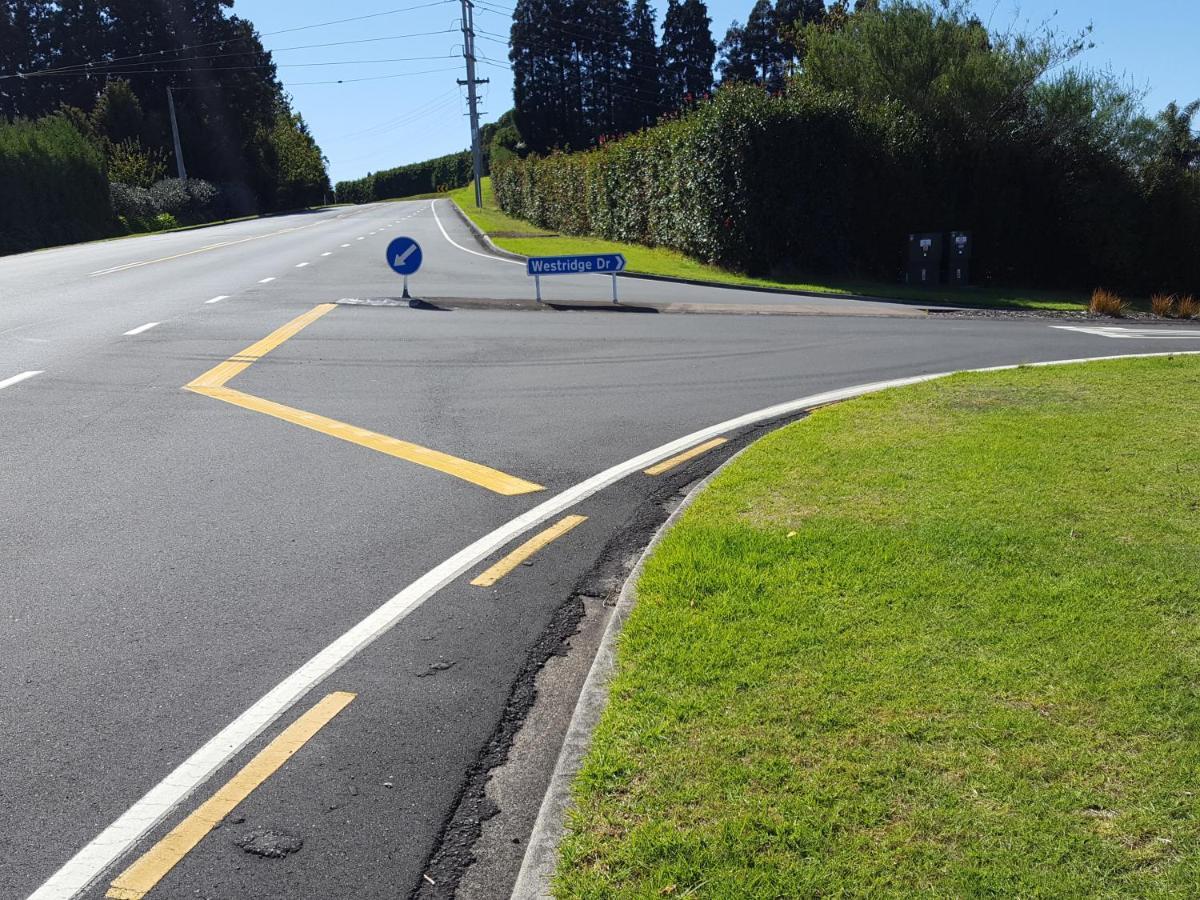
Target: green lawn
527 239
941 641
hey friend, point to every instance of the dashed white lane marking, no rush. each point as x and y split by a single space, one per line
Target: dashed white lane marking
142 328
17 379
301 265
265 280
360 239
345 245
327 253
442 229
1147 334
87 865
218 298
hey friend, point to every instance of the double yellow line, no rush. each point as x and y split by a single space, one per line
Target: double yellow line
213 384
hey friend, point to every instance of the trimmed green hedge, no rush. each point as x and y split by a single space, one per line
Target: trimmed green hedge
807 183
440 174
748 181
53 186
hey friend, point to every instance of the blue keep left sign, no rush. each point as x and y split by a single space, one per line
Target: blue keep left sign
404 255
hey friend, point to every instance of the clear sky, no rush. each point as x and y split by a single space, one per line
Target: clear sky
373 124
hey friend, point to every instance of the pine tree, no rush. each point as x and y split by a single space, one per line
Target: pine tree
643 90
546 82
755 52
603 29
688 52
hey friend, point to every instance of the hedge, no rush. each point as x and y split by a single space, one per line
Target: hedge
53 186
440 174
805 182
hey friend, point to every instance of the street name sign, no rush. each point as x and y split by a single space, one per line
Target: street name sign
588 264
597 263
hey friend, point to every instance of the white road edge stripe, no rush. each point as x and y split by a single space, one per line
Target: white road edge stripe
89 863
17 379
442 229
218 298
142 328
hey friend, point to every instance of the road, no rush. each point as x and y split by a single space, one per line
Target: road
187 571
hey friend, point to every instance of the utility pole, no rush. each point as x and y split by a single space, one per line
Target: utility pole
175 134
468 30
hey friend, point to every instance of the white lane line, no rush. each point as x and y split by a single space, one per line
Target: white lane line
16 379
345 245
442 228
265 280
142 328
327 253
301 265
90 862
1121 332
360 239
218 298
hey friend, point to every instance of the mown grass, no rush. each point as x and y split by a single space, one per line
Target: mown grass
942 641
527 239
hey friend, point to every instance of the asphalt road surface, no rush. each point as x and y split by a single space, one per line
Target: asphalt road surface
245 492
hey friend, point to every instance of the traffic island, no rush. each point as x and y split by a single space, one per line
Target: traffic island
942 640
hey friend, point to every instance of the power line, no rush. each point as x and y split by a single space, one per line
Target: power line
93 64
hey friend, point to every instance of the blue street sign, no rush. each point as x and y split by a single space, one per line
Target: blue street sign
404 255
600 263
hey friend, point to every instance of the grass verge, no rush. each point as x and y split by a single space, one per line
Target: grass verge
525 238
941 641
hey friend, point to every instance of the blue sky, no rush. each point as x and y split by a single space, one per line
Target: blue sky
411 108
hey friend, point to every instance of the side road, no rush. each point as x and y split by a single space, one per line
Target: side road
939 639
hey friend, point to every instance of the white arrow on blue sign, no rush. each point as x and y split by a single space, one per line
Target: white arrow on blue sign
599 263
404 255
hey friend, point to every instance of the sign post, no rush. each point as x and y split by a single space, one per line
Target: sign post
404 256
594 264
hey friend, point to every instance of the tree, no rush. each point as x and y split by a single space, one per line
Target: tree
546 82
644 88
603 41
688 52
1176 143
755 52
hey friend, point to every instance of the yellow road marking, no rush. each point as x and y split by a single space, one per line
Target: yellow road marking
667 464
212 384
218 375
526 550
492 479
136 881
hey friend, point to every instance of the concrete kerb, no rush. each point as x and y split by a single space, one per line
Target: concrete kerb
541 851
541 854
488 244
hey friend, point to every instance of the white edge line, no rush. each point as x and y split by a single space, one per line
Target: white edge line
90 862
218 298
142 328
17 379
442 229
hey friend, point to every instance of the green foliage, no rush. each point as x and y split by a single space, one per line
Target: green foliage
131 163
53 184
747 182
300 178
442 173
906 118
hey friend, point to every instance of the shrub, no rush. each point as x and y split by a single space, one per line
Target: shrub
1163 305
166 204
1187 307
53 185
163 221
440 174
1106 303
